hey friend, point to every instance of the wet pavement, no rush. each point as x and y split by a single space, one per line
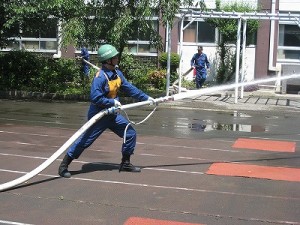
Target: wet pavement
179 148
261 100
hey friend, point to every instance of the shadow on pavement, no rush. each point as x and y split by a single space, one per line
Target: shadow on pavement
31 184
97 166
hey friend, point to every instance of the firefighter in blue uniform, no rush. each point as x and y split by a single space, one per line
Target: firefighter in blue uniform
104 94
85 55
200 62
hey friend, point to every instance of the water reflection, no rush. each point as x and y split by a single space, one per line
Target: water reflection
240 114
226 127
236 114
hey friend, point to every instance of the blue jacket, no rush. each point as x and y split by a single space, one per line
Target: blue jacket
100 90
199 62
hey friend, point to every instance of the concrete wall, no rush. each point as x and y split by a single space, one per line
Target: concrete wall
263 43
290 86
189 49
289 5
187 54
211 4
211 52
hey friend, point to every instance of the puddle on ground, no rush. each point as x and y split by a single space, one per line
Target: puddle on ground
237 114
226 127
51 115
271 117
185 125
240 114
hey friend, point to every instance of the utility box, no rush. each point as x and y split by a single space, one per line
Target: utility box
290 86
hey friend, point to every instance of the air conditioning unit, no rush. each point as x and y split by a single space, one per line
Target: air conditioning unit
290 86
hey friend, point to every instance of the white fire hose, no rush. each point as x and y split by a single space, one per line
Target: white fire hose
72 139
94 119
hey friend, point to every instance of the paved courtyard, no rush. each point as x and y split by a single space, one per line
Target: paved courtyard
202 163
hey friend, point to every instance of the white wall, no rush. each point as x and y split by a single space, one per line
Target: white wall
250 2
289 5
187 54
211 4
249 63
189 50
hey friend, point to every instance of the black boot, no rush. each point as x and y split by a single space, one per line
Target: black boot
63 168
127 166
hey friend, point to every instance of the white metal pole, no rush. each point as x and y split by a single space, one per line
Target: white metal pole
297 21
168 61
167 37
180 54
59 40
272 38
245 15
237 66
243 56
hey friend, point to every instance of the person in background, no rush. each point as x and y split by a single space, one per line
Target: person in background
104 94
85 55
199 63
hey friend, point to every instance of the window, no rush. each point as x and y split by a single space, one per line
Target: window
190 33
50 31
42 39
289 42
139 43
199 31
206 33
140 48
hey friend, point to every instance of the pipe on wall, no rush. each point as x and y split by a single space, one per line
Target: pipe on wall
59 41
272 39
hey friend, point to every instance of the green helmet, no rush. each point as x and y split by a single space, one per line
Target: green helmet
106 52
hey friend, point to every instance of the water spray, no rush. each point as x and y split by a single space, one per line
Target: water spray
94 119
209 90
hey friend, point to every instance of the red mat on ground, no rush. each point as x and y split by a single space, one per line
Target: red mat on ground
147 221
267 145
245 170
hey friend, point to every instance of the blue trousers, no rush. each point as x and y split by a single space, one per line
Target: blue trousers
200 79
117 124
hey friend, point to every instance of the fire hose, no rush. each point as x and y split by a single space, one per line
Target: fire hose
112 110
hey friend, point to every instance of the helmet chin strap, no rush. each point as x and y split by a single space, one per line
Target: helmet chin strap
109 62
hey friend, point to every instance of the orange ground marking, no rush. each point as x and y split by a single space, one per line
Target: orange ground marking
254 171
147 221
267 145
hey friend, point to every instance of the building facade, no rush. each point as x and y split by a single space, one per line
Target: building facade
277 42
276 46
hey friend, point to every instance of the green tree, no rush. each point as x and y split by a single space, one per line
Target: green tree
20 15
6 29
228 31
111 21
116 22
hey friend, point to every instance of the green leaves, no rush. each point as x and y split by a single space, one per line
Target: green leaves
112 21
228 27
228 30
27 71
34 14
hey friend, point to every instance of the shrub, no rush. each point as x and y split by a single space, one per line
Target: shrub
189 84
26 71
135 70
174 60
157 78
225 70
174 64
